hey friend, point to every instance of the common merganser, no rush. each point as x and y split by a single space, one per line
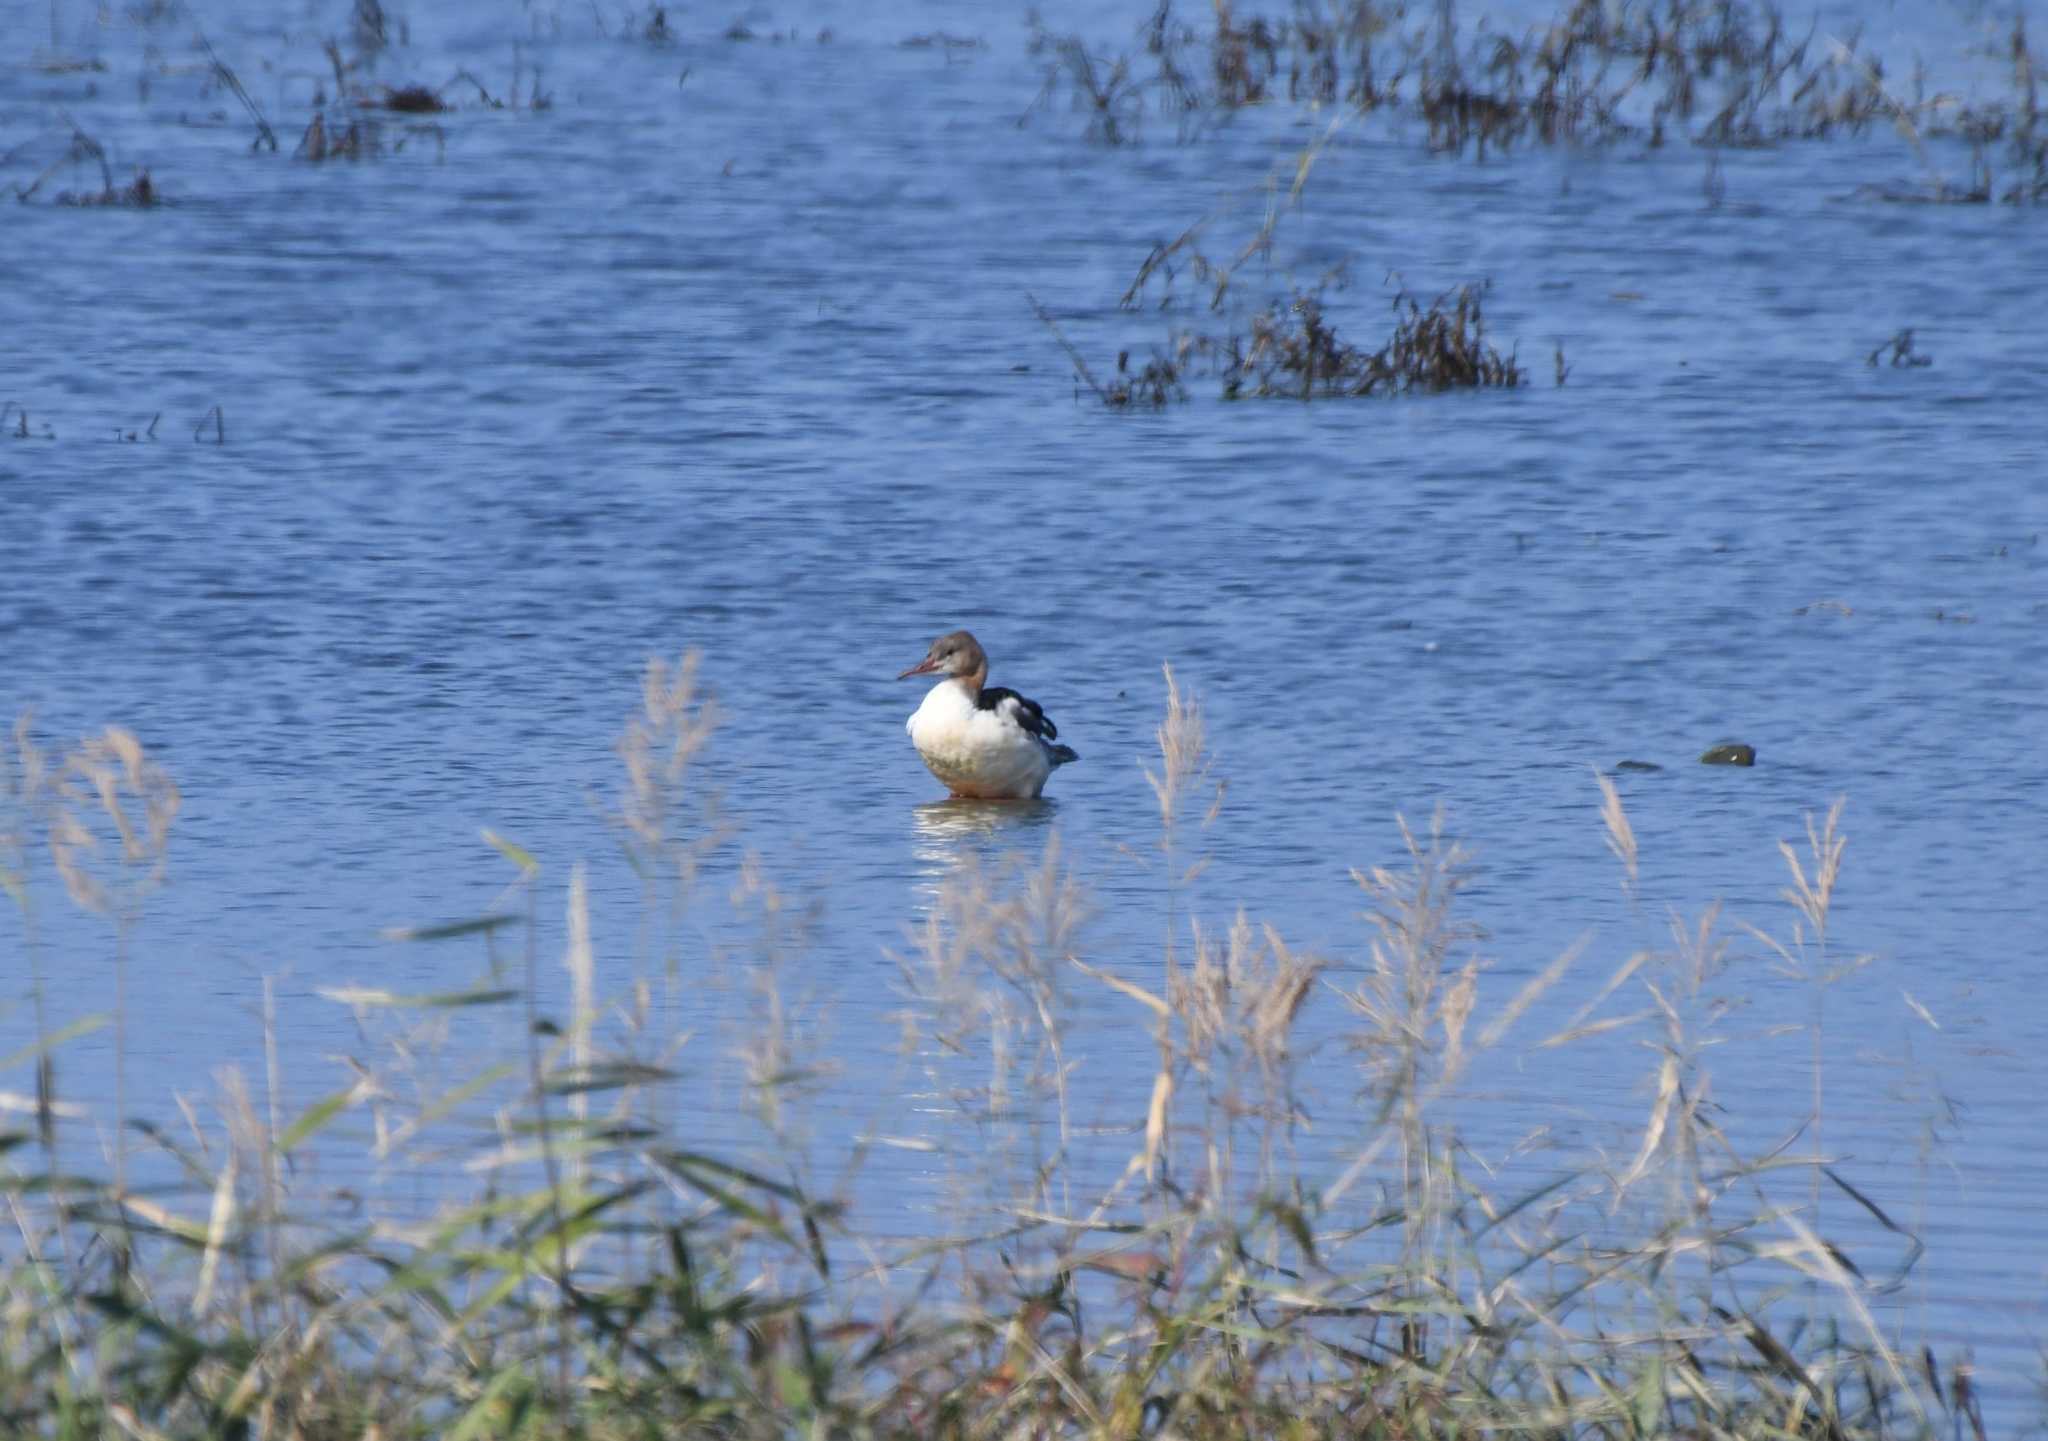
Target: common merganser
981 740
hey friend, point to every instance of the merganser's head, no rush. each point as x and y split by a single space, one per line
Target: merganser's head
956 654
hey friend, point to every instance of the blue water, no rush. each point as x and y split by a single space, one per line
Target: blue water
730 348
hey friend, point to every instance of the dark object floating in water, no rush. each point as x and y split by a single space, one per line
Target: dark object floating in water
1637 766
414 100
1903 355
141 195
1734 753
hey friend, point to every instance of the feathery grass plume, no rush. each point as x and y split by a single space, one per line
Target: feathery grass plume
556 1257
1686 1268
1621 836
940 969
667 824
23 782
658 747
1461 1248
1237 1005
986 972
25 793
967 1017
110 781
1183 773
580 962
1037 929
1414 1001
1686 1010
1811 894
667 820
1184 756
776 1059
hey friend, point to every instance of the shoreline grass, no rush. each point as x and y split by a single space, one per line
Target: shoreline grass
588 1267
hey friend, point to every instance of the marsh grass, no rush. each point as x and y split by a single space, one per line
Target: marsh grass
1596 72
538 1239
79 151
1899 353
362 137
224 75
354 122
1288 346
1290 349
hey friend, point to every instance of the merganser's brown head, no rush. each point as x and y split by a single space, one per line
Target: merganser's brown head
957 655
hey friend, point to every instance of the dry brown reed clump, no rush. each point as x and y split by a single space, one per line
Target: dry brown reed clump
82 150
1290 350
1293 351
224 75
577 1259
1595 72
349 125
138 194
1900 353
361 137
1150 388
1103 90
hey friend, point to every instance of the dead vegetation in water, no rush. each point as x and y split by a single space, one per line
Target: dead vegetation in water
413 98
1290 350
356 117
224 75
14 424
363 137
1150 388
138 194
372 30
1900 354
53 64
353 123
1104 89
1655 72
18 413
1288 346
942 40
77 151
418 99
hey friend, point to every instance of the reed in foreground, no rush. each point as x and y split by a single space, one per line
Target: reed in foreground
589 1265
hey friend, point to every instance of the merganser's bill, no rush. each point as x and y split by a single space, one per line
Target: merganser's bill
981 740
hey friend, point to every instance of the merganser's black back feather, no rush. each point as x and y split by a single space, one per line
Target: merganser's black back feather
1025 712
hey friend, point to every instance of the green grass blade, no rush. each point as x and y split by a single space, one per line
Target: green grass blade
449 930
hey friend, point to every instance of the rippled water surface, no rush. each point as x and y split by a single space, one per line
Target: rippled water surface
730 348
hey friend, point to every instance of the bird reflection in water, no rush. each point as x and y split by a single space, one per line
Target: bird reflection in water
959 829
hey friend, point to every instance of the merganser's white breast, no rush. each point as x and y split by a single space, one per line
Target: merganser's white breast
982 741
977 751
